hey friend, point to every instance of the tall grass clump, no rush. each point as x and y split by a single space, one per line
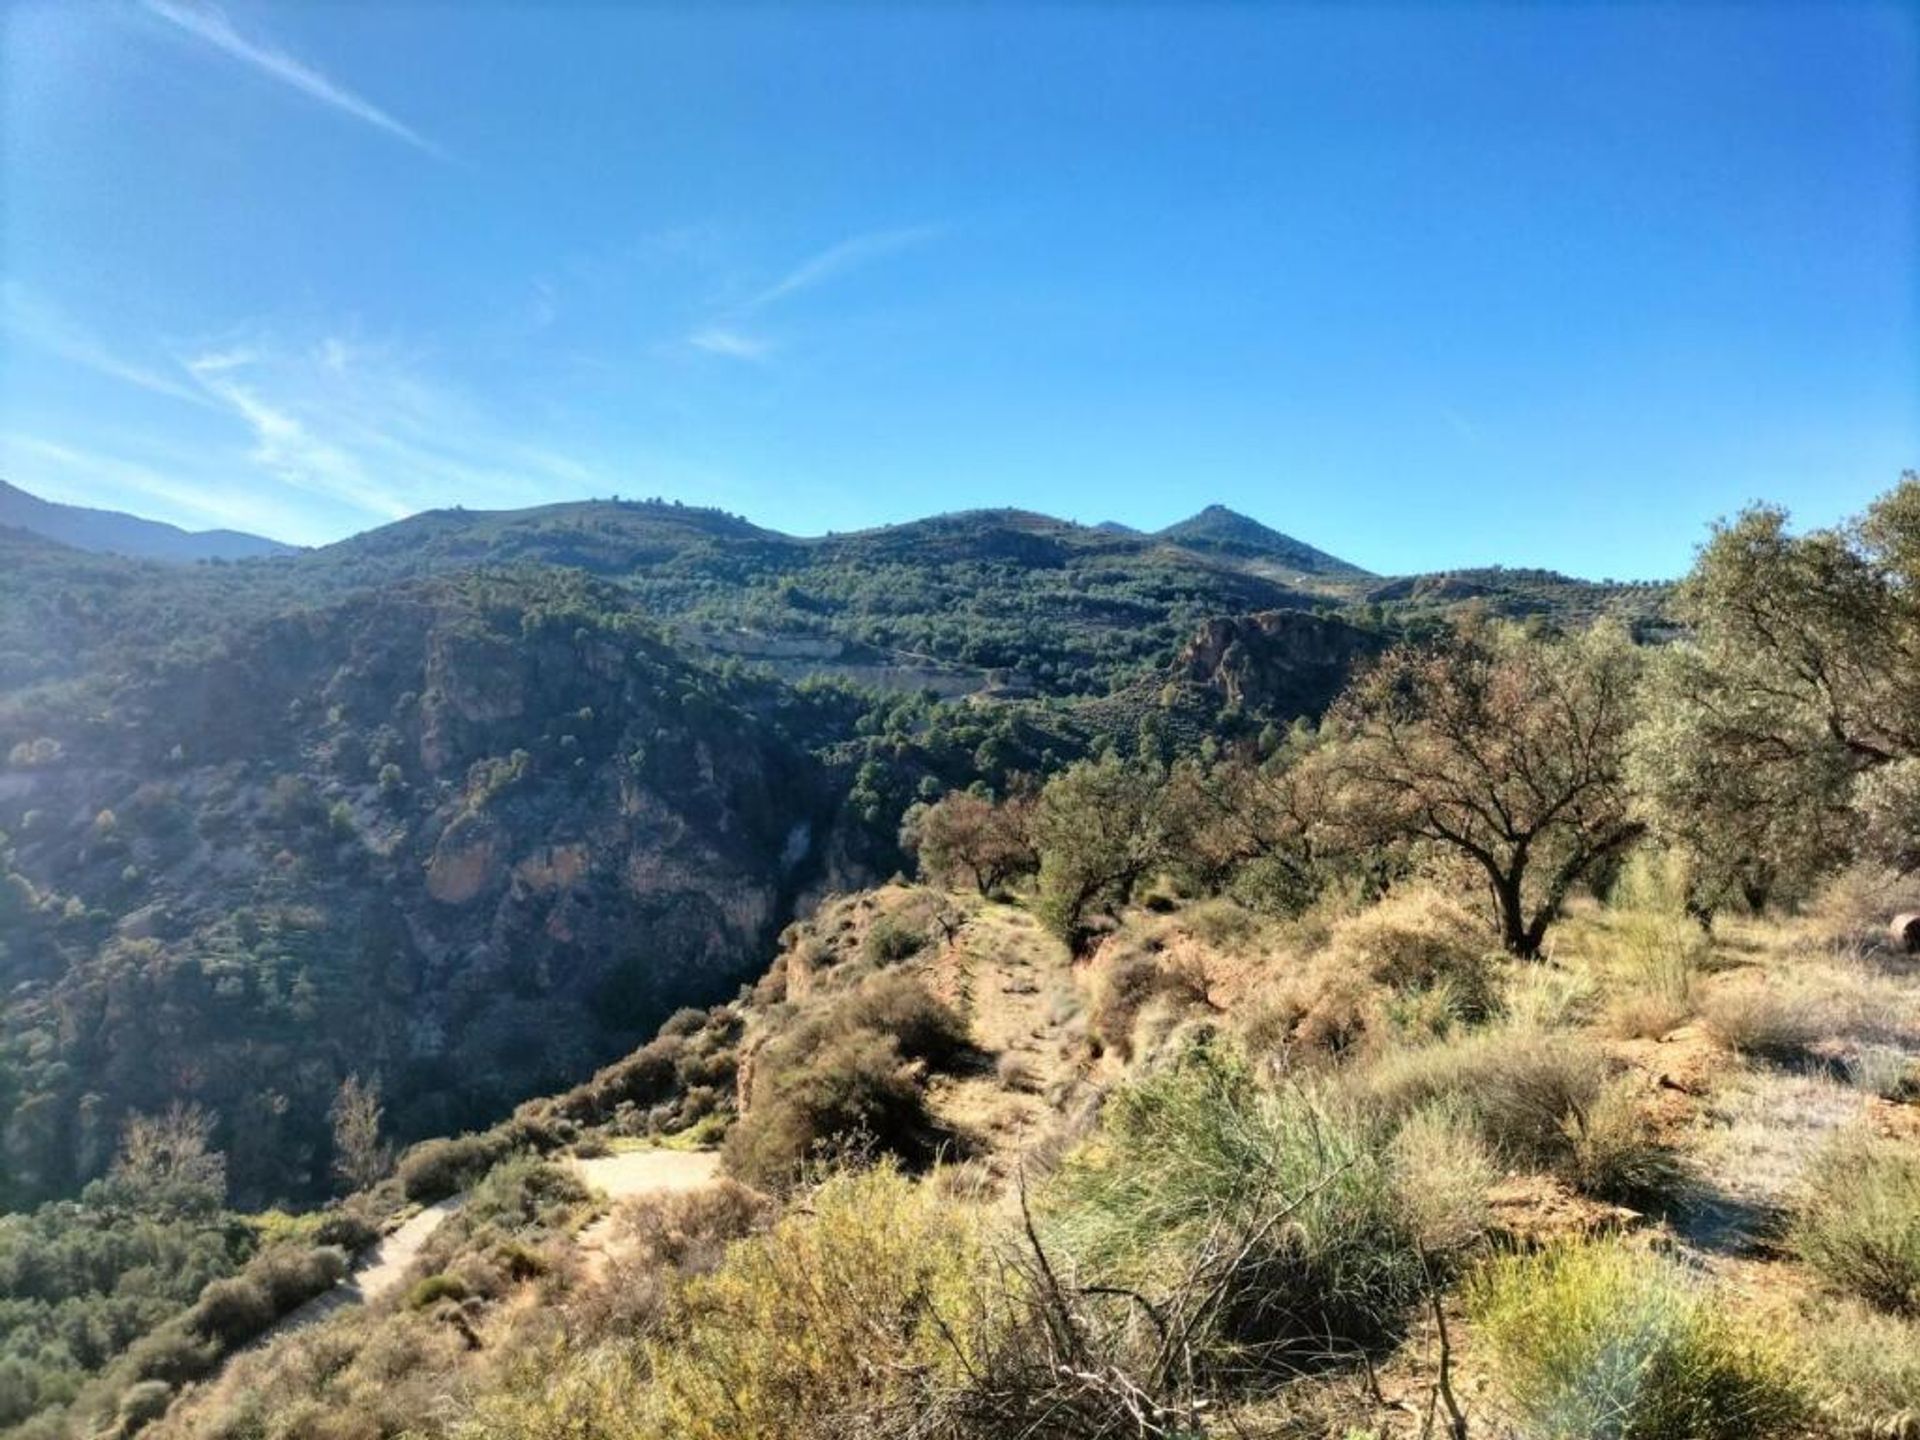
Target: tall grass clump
1541 1101
1769 1021
1597 1339
1443 1172
1660 948
1857 1220
1200 1187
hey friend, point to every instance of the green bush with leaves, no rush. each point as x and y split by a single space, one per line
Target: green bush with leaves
850 1077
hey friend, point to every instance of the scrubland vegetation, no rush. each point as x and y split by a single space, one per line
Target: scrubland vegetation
1494 1058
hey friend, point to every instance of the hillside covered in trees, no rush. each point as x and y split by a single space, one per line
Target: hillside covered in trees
1327 1006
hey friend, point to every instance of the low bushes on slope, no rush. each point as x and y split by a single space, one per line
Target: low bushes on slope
1599 1339
1418 941
853 1075
1540 1100
843 1313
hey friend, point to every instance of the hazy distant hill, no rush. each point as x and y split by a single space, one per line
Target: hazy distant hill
116 533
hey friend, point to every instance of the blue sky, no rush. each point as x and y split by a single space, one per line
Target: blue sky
1425 286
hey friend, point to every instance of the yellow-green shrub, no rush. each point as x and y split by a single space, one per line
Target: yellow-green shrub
1600 1339
1442 1172
1198 1179
841 1310
1538 1100
1868 1367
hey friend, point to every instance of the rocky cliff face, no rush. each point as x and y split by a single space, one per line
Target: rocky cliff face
462 837
1280 663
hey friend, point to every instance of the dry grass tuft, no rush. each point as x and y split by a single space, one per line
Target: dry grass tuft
1857 1220
1417 940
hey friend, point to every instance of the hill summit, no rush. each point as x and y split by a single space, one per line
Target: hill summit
1228 532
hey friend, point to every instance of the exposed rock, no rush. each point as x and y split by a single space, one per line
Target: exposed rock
1280 662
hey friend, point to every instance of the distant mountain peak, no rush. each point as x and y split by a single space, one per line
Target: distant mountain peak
116 533
1228 532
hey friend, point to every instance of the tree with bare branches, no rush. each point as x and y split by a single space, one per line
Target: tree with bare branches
168 1161
360 1157
1499 746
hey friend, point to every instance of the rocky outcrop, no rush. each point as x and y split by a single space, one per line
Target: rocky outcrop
1280 663
471 837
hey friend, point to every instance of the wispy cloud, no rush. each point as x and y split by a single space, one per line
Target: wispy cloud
371 427
211 25
288 450
726 334
837 260
32 320
719 340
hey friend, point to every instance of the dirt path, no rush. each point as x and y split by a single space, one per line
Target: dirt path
381 1268
637 1172
634 1172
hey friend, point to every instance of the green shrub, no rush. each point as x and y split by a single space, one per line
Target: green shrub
141 1404
232 1311
1221 923
522 1193
1442 1172
1663 947
1539 1100
857 1091
1521 1087
1196 1168
293 1274
851 1076
435 1288
901 1007
435 1169
349 1230
1615 1155
1868 1365
1857 1220
1599 1339
891 940
173 1353
1759 1019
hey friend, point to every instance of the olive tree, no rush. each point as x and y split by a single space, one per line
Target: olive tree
1099 829
1783 736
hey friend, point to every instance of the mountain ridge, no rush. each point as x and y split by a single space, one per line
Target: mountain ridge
116 532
